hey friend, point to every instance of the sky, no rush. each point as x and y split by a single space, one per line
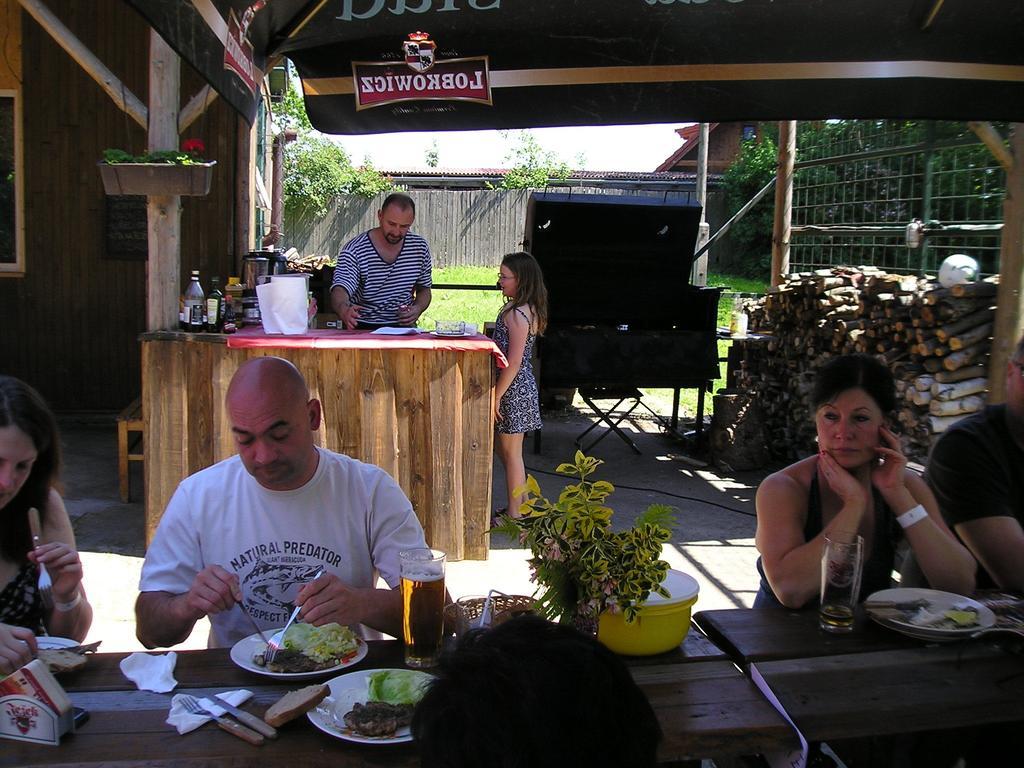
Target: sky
605 148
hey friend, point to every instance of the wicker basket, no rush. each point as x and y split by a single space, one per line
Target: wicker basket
503 608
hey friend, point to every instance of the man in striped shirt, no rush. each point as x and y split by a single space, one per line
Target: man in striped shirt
383 275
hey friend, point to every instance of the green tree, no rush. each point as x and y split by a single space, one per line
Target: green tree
532 165
316 169
752 235
433 155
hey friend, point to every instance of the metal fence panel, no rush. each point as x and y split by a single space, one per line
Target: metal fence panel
884 173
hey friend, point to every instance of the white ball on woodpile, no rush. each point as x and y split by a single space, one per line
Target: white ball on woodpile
956 269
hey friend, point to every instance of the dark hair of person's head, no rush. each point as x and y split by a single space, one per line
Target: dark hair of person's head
531 288
22 407
399 199
533 693
855 372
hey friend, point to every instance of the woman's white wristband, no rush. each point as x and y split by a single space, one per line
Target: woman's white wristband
912 516
68 606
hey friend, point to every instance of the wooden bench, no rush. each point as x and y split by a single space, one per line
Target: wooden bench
129 420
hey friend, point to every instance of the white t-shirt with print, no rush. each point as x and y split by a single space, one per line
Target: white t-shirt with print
351 518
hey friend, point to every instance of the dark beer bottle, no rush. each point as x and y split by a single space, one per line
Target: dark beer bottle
215 308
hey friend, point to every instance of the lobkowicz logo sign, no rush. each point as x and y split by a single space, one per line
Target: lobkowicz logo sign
421 77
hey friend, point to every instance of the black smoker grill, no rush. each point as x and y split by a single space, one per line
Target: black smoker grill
622 311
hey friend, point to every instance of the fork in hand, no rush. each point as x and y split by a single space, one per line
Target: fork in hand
276 641
45 585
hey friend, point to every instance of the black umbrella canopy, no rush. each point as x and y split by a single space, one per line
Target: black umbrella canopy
373 66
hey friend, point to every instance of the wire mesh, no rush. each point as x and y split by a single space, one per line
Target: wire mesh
883 174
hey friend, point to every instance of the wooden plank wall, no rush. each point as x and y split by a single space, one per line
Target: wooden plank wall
70 325
464 228
424 416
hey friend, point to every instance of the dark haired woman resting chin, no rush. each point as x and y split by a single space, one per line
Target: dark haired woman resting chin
859 482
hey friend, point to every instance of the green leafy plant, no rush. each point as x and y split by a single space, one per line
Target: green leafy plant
191 153
532 165
580 565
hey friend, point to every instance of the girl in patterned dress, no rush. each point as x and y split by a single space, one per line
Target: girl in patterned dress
517 403
29 465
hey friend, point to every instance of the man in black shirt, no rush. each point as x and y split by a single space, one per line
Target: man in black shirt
977 472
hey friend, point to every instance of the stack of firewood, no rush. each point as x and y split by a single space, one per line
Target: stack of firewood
936 341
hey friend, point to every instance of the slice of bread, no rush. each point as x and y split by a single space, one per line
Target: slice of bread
58 660
295 703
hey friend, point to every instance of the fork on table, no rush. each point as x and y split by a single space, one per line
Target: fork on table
45 584
276 641
192 704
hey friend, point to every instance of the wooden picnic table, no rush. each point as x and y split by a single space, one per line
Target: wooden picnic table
705 705
762 634
872 682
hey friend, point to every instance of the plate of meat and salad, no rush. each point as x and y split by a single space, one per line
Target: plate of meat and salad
372 706
307 652
929 614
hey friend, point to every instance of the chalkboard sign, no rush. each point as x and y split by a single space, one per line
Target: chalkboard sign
126 227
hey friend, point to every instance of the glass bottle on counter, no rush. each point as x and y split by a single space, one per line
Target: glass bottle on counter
194 304
215 308
229 317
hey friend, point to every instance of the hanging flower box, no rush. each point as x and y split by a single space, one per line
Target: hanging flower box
168 172
156 178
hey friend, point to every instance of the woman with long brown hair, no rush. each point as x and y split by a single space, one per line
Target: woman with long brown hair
29 469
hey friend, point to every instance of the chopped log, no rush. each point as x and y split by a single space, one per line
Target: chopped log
977 290
965 323
940 424
968 404
973 336
969 372
937 295
956 390
924 383
963 357
917 397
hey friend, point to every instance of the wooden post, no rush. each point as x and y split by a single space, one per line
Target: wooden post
163 212
1009 305
699 274
245 167
783 201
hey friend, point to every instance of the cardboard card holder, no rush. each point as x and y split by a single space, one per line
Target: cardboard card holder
33 706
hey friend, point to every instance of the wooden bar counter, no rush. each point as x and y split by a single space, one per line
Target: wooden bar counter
418 406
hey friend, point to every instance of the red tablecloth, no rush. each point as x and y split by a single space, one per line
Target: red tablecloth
333 339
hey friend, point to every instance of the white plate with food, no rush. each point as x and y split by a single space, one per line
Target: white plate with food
308 652
50 642
929 614
455 335
377 701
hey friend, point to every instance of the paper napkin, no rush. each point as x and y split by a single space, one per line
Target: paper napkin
151 672
185 721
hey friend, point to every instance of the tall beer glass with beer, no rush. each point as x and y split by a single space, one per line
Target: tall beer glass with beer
422 572
842 564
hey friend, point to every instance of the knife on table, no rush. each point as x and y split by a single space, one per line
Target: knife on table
254 722
235 729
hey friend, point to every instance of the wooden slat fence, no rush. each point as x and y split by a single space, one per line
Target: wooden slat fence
463 227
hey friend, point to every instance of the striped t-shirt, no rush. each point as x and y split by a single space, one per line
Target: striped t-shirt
376 286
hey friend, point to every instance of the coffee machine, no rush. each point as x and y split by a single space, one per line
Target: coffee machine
257 268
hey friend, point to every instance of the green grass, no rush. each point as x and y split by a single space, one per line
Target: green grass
482 306
472 306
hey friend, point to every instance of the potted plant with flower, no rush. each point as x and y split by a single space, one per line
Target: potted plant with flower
159 172
596 578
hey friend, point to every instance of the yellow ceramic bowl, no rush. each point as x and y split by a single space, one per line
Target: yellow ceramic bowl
661 624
